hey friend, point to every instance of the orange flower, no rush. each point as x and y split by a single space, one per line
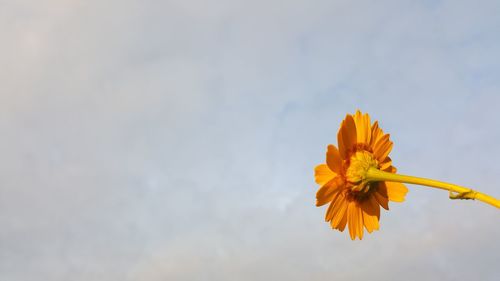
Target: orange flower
354 198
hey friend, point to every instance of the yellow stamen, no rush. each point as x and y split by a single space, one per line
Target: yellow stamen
374 174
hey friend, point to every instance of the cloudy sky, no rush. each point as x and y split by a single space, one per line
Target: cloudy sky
176 140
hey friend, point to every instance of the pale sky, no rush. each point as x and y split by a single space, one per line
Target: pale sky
176 140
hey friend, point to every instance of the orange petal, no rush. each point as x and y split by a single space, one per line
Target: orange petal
343 221
370 222
355 220
329 212
370 214
391 169
338 210
377 133
333 159
382 189
360 222
352 219
340 141
327 191
347 136
363 127
323 174
360 127
386 164
371 206
381 199
368 128
396 191
382 148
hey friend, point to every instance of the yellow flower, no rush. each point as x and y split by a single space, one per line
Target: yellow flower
358 178
355 198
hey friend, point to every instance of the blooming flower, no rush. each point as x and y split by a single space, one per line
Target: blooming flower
358 178
355 198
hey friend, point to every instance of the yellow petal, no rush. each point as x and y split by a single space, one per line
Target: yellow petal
333 159
327 191
396 191
323 174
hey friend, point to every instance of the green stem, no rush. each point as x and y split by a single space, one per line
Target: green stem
374 174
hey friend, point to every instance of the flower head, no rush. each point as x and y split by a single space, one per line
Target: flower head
355 198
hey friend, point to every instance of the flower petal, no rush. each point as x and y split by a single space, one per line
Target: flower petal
352 219
392 169
363 127
396 191
326 193
386 164
340 142
358 120
330 212
376 133
382 199
382 148
350 137
347 136
323 174
370 222
368 128
343 222
333 159
371 206
338 208
355 220
360 222
371 213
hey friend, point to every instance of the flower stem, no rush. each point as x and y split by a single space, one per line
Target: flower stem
374 174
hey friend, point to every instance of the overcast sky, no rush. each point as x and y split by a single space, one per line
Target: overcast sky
176 140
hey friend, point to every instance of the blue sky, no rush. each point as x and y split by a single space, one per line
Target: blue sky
176 140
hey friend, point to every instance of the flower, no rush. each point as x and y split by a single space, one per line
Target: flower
354 197
358 178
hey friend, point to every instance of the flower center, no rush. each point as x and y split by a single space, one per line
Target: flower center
359 163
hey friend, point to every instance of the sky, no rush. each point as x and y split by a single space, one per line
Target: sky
176 140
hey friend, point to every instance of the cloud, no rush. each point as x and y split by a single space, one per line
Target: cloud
155 140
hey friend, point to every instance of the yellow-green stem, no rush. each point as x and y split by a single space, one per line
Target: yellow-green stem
374 174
